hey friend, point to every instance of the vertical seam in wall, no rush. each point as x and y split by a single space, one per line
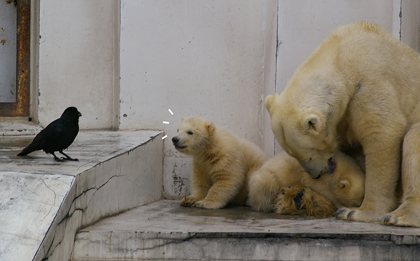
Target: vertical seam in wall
34 61
277 48
400 15
262 81
264 15
277 57
115 122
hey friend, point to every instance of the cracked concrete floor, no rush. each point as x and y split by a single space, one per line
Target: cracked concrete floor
167 216
32 188
165 230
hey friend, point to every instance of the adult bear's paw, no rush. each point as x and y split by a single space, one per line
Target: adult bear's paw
358 214
405 215
342 213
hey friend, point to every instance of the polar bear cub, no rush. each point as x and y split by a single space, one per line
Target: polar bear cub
222 163
343 187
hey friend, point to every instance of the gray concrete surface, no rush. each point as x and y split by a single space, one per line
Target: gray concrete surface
165 230
43 202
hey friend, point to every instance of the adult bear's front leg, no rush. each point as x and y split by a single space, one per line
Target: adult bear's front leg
377 124
382 173
408 213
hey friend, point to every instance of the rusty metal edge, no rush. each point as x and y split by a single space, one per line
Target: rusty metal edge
21 106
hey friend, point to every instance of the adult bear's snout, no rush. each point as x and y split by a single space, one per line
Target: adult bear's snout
331 165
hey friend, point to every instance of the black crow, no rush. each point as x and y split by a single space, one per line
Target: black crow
57 136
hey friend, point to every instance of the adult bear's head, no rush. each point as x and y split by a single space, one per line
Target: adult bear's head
303 133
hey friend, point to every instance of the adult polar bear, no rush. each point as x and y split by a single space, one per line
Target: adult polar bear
361 86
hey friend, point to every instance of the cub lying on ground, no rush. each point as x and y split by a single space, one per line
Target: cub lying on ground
344 187
222 163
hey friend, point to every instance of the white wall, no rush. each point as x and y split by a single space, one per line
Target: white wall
204 58
78 61
125 63
410 23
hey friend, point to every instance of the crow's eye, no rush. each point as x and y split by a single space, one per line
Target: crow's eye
190 132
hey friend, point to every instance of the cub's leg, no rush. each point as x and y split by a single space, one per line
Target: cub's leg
226 185
263 189
200 185
408 213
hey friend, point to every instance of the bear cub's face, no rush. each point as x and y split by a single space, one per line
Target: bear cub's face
193 135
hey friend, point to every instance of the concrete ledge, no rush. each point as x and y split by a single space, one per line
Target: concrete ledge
165 230
11 127
43 203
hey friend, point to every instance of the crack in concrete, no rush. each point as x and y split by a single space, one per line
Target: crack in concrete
55 196
52 247
83 193
169 242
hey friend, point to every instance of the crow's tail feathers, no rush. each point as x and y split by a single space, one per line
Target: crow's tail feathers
29 149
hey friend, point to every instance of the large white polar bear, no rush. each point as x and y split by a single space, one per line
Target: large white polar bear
360 87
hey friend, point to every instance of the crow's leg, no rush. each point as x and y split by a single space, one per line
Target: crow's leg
57 158
67 156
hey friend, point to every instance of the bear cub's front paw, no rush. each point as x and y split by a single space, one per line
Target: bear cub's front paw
188 201
208 204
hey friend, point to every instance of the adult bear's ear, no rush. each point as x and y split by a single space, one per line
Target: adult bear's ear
210 126
312 123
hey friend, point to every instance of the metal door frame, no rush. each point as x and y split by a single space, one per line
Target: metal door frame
21 106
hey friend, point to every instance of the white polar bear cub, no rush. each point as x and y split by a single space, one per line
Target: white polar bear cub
222 163
344 187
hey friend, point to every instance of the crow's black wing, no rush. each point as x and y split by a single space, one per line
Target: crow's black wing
46 139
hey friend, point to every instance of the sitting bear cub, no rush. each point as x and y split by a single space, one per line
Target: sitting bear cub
281 184
222 163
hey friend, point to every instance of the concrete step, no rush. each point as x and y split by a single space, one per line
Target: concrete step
43 202
165 230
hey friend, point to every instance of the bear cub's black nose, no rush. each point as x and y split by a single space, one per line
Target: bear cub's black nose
175 140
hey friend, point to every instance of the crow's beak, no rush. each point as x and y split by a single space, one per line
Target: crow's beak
80 115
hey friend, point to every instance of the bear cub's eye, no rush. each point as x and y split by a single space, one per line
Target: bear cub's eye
190 132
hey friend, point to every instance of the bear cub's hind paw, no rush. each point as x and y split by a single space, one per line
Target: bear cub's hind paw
300 200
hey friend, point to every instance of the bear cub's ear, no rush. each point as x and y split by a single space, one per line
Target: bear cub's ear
344 184
210 126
